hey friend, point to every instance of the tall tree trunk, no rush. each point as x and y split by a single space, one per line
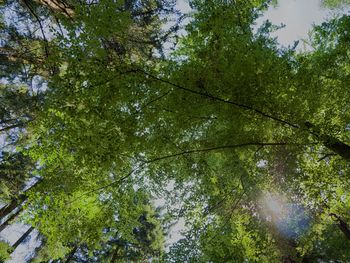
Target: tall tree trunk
7 209
288 259
341 224
10 219
22 238
330 142
337 146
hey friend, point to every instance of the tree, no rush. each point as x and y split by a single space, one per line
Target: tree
10 219
146 244
335 3
228 118
22 238
4 251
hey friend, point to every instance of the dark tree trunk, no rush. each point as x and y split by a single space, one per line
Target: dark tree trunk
22 238
338 147
342 225
71 254
10 219
115 255
330 142
7 209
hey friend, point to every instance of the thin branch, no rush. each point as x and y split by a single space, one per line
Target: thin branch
210 209
191 116
216 148
144 163
16 125
156 99
40 25
243 106
120 180
229 217
4 121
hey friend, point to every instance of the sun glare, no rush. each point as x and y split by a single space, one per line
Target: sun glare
273 205
290 219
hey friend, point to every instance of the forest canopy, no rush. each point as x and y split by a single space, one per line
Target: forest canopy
121 118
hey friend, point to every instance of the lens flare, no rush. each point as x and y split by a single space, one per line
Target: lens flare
290 219
273 204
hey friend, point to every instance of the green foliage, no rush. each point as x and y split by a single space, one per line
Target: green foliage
226 119
14 172
335 3
5 251
238 241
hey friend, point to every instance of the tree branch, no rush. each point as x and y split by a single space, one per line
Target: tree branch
144 163
243 106
46 47
215 149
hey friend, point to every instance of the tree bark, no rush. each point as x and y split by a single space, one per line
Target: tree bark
22 238
10 219
342 225
288 259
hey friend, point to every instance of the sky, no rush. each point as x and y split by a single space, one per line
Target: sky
298 17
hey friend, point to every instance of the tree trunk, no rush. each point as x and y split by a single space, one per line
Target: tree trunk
337 146
115 255
330 142
7 209
342 225
288 259
10 219
58 6
22 238
71 254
